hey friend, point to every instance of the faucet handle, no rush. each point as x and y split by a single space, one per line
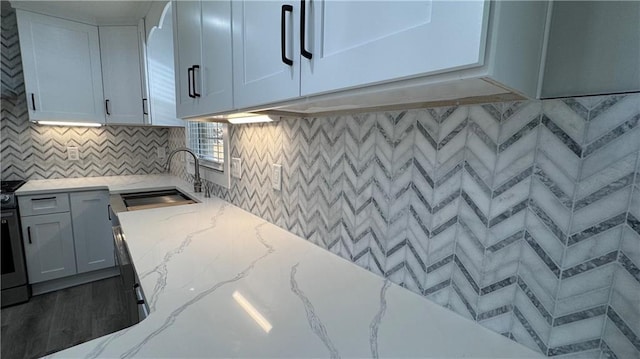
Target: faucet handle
207 192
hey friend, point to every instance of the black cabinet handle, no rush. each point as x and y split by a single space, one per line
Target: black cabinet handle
29 234
43 198
283 37
189 76
33 101
109 211
193 74
106 107
144 107
140 301
303 25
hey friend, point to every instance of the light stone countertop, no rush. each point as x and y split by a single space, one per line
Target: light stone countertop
115 184
193 260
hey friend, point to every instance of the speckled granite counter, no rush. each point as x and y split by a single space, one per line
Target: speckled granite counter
200 265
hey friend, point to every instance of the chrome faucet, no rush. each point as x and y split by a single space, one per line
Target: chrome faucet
197 183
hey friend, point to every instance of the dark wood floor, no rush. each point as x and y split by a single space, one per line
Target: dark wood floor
58 320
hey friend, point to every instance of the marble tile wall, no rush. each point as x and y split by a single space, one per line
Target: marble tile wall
30 151
524 217
521 216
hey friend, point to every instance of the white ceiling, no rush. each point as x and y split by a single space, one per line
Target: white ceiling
114 12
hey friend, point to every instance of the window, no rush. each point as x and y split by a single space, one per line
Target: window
205 139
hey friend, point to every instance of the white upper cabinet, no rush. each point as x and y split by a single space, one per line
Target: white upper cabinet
186 27
121 75
594 49
353 43
266 52
283 50
309 57
202 38
144 71
61 64
161 69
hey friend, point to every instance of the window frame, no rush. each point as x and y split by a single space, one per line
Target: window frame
214 172
203 161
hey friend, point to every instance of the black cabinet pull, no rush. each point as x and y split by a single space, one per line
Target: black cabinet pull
144 107
29 234
283 37
189 76
43 198
33 101
303 25
140 301
193 74
106 107
109 211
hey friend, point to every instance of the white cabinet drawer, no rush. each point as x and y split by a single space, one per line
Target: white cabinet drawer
44 204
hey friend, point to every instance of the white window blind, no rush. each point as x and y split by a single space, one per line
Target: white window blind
205 139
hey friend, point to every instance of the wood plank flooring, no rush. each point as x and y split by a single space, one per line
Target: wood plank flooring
58 320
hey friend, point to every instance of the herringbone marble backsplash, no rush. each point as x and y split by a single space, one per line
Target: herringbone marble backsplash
524 217
35 152
521 216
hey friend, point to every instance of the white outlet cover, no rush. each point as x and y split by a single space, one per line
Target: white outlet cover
73 154
276 177
236 167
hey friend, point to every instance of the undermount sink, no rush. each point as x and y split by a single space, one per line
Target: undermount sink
155 199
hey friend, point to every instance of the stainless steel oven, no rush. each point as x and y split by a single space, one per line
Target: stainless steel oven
15 288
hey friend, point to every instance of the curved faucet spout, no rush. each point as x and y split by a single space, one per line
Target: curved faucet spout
197 183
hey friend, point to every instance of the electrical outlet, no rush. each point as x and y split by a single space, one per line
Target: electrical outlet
73 154
162 153
276 177
236 167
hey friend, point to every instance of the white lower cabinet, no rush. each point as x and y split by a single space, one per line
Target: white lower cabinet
75 240
92 230
48 246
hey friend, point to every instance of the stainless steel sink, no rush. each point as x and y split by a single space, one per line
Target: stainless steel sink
155 199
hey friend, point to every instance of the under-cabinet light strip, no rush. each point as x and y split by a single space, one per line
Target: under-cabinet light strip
249 119
70 124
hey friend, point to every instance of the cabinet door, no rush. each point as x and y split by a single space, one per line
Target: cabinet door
61 64
161 69
354 43
121 74
593 49
144 71
260 74
48 246
186 34
92 230
214 79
